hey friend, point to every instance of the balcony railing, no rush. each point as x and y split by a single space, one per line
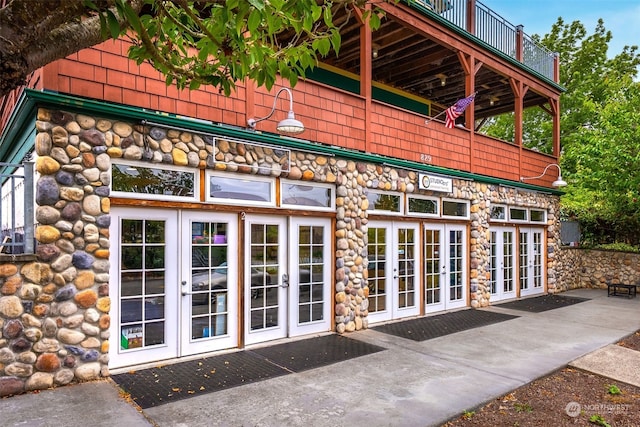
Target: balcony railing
497 32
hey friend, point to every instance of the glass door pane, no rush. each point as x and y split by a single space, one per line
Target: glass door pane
210 282
209 279
144 286
266 279
406 270
456 266
432 267
378 273
531 269
524 261
142 283
310 275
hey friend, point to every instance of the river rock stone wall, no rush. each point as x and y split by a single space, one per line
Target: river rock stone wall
54 310
589 268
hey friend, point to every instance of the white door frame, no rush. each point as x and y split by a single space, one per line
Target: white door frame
119 356
503 258
310 286
395 266
270 303
215 307
532 269
451 262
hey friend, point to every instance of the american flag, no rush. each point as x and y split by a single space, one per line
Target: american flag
457 109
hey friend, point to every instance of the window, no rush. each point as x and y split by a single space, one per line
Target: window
518 214
538 216
455 209
129 179
498 213
384 202
245 190
423 206
314 196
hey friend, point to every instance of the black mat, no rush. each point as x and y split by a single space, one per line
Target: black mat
298 356
542 303
170 383
429 327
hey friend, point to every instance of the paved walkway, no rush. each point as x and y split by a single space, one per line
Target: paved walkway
411 383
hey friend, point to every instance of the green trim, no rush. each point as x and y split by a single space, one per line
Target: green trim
379 92
123 112
19 134
453 27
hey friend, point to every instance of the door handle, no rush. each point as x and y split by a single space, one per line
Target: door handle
185 292
285 281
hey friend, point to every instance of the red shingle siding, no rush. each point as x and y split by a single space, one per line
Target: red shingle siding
330 116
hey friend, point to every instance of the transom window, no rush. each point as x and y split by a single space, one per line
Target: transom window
423 206
130 179
307 195
240 189
498 213
503 213
518 214
455 209
537 215
385 202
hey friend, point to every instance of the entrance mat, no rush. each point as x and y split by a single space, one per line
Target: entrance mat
542 303
298 356
170 383
426 328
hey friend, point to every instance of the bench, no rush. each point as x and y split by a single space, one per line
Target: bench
620 289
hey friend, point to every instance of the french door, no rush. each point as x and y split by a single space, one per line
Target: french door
289 284
445 266
209 285
143 286
175 281
393 270
503 263
531 257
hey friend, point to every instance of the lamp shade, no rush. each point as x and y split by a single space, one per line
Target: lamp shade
559 182
290 125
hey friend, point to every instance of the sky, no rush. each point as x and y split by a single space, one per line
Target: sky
621 17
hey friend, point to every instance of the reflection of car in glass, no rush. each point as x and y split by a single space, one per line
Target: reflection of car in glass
376 268
217 280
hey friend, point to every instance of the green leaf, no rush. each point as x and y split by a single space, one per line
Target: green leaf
255 18
258 4
114 25
103 25
322 46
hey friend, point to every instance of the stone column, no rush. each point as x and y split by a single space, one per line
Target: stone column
351 296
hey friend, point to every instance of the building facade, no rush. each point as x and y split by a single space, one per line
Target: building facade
167 225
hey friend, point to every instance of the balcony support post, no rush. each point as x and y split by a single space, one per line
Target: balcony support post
519 43
471 68
471 16
555 110
366 71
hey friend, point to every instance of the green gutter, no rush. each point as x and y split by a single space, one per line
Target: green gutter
453 27
127 113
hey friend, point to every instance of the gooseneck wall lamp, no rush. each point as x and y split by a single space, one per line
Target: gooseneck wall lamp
288 125
557 183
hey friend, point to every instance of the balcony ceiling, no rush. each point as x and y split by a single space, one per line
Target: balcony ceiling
408 61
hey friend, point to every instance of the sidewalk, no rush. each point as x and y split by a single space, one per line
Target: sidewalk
410 383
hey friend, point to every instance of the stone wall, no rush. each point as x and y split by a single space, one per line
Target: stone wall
589 268
54 308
